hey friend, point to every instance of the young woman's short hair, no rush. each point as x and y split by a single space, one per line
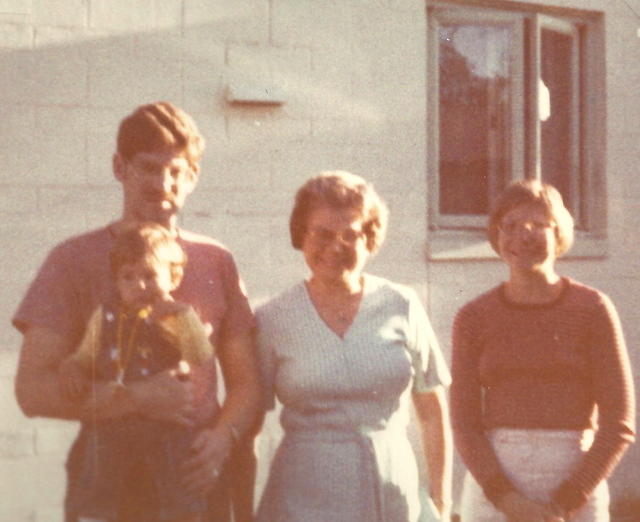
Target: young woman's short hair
159 125
339 190
148 241
543 195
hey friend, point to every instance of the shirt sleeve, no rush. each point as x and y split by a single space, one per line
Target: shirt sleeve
430 368
51 300
615 399
466 409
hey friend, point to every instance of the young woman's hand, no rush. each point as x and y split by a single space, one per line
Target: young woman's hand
519 508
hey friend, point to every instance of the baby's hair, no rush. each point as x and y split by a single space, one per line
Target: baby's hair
148 241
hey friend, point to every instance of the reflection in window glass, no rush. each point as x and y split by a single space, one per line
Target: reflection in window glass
557 129
475 108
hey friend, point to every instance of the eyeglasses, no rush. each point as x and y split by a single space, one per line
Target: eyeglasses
534 227
325 236
149 169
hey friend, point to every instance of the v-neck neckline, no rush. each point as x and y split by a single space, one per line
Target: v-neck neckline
366 283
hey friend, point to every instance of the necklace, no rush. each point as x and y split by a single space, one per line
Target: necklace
338 313
123 353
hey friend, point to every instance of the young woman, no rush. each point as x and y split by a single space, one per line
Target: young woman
539 366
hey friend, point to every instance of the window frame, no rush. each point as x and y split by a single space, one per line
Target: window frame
461 237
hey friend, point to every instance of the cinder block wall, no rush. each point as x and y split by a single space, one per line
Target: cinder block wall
354 73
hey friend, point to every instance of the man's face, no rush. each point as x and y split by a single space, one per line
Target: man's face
156 185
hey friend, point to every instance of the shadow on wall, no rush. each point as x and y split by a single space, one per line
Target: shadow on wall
61 103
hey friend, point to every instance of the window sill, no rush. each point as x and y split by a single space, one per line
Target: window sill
458 245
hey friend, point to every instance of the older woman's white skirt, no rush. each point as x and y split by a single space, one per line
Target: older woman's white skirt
536 461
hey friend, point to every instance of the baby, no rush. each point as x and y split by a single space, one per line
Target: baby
142 332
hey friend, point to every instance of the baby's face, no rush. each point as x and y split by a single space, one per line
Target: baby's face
144 283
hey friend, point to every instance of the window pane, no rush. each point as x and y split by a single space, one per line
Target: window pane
558 116
474 115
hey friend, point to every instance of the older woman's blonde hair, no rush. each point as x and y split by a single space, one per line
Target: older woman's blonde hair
339 190
542 195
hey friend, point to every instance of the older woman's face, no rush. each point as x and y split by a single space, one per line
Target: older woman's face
334 245
527 238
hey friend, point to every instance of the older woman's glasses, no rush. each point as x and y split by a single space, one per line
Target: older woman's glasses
325 236
531 226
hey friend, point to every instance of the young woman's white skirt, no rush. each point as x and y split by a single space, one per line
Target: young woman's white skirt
536 461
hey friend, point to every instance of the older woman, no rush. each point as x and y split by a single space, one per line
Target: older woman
534 360
344 352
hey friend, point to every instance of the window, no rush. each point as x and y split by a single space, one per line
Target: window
515 91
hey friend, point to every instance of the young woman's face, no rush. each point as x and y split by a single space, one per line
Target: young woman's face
144 283
527 238
335 246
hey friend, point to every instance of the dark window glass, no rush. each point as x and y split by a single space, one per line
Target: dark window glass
474 115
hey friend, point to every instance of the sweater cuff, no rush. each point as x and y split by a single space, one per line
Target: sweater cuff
496 487
569 497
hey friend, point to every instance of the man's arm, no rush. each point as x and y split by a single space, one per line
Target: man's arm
39 393
37 385
235 423
433 415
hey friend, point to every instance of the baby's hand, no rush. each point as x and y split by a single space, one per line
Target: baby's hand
73 381
167 308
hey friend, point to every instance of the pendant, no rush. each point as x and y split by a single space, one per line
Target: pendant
120 378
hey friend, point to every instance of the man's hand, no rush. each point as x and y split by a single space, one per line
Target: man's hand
74 383
164 397
37 383
209 451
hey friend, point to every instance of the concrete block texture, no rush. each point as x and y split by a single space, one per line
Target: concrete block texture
15 444
75 39
17 7
128 70
102 125
354 77
47 514
287 69
29 484
60 12
311 22
58 146
55 438
267 128
56 76
203 80
18 199
169 13
209 21
15 36
122 15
